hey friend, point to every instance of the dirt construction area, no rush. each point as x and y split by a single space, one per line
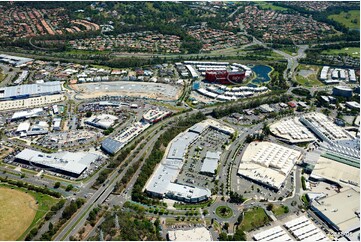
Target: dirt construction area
17 211
158 91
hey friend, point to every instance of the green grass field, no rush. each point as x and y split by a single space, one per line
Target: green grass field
351 51
278 210
350 19
27 213
267 5
254 218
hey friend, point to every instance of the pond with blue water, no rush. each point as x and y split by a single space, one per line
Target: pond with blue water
261 72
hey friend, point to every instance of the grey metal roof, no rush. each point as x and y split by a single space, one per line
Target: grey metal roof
180 145
111 146
30 89
66 161
210 163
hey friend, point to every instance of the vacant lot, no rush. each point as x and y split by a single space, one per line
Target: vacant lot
307 76
17 211
350 19
254 218
267 5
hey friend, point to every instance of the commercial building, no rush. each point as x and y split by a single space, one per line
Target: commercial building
268 163
323 127
36 112
103 121
30 90
324 72
340 211
16 61
352 75
335 172
336 140
57 124
39 128
114 144
210 163
22 129
195 234
67 163
291 131
265 108
31 102
155 115
225 77
273 234
353 105
163 183
342 91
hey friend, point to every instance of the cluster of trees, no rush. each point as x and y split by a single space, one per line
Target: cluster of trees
235 197
115 163
302 92
134 226
72 208
54 209
31 187
252 103
278 82
108 131
239 235
303 181
46 236
120 185
93 215
157 154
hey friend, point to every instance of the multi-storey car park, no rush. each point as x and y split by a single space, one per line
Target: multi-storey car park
163 182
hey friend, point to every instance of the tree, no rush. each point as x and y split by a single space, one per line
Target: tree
226 226
57 185
69 188
51 226
88 114
269 206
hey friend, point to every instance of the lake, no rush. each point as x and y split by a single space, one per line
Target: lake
261 73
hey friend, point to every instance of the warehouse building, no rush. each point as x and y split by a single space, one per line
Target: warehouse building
268 163
103 121
340 211
67 163
324 72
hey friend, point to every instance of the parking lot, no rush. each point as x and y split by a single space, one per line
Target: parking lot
211 140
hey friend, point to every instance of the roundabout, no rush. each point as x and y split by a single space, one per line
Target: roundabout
224 212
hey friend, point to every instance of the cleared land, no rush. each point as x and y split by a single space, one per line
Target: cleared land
158 91
17 211
254 218
350 19
351 51
309 80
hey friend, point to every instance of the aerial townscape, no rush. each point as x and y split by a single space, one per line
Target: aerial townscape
180 121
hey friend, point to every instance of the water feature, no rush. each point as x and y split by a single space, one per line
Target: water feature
261 72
